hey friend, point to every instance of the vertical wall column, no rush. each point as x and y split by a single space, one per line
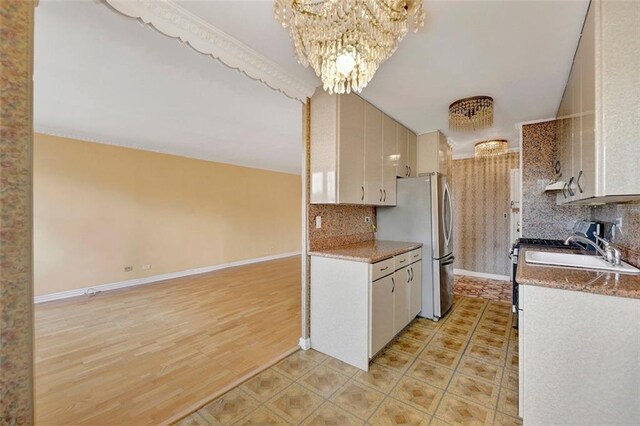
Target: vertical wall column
306 186
16 224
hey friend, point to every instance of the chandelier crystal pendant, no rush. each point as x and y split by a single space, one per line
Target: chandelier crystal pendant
470 114
345 41
491 148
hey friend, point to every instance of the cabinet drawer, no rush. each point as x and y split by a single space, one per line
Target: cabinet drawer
415 255
381 269
402 260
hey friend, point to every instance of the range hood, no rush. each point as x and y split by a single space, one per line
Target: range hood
554 186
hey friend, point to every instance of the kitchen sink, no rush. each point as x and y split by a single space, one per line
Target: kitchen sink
573 260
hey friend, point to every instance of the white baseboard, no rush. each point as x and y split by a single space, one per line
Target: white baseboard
481 275
156 278
305 344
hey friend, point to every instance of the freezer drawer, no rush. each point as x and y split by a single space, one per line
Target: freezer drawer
443 285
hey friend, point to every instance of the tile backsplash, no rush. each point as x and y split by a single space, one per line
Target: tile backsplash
541 216
341 224
627 239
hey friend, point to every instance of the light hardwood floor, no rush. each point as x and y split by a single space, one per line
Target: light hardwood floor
144 355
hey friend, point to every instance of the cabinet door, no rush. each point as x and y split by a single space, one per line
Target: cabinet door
381 314
415 293
576 126
565 144
427 153
351 150
444 155
373 137
401 150
390 160
587 173
401 299
412 153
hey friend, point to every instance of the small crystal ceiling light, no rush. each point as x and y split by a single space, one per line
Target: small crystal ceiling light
471 113
345 41
491 148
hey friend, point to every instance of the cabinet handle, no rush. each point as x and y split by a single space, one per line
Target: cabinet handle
416 255
408 275
571 193
362 198
411 270
394 285
402 261
384 269
564 194
406 171
557 167
381 195
385 194
578 181
409 175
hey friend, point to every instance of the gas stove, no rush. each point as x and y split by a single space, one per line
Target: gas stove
544 243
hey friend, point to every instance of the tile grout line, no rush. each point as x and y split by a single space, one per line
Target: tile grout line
460 360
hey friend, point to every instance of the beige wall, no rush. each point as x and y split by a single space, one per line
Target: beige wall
481 191
98 208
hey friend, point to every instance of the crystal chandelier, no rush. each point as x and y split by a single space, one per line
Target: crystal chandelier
491 148
471 113
345 41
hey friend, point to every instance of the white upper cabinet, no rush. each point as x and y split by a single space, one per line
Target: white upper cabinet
373 149
598 133
406 150
390 159
356 152
337 149
412 153
434 154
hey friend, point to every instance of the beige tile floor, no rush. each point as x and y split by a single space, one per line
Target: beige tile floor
460 370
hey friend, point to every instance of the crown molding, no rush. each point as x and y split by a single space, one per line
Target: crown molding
176 22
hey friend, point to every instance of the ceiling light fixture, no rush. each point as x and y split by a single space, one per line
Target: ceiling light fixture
491 148
471 113
345 41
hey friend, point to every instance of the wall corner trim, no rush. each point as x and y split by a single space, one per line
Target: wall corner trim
174 21
155 278
481 275
305 344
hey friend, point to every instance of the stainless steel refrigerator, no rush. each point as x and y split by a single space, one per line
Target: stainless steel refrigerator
424 213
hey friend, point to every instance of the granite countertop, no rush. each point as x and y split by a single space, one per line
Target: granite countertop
368 251
576 279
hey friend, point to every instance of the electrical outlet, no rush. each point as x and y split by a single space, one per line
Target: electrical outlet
367 219
146 267
618 223
318 222
128 268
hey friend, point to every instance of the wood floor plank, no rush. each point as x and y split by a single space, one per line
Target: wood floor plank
144 355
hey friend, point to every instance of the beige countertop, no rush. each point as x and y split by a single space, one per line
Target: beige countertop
369 251
585 280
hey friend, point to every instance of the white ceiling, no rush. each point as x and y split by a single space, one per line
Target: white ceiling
103 77
124 83
517 51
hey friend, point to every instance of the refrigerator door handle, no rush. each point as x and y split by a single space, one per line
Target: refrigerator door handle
446 198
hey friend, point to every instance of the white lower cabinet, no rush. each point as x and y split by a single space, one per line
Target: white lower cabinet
381 315
401 300
415 290
579 357
357 308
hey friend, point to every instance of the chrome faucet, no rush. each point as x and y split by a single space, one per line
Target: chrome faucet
609 253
